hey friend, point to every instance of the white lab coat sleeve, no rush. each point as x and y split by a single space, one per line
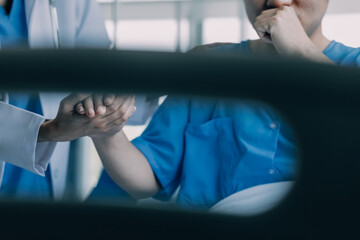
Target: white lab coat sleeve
90 26
18 139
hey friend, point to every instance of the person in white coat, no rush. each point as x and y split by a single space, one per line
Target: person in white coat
25 139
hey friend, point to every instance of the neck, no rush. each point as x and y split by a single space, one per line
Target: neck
317 37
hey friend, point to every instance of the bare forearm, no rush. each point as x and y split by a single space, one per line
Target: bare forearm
126 165
314 54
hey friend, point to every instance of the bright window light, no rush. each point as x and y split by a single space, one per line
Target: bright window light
221 30
184 35
109 25
159 35
249 31
342 28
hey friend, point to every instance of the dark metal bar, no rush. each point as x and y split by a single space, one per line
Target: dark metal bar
320 101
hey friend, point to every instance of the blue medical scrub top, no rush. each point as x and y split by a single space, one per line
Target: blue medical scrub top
107 191
17 182
212 148
13 27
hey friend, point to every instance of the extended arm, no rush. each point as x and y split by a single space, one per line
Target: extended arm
150 164
126 165
157 152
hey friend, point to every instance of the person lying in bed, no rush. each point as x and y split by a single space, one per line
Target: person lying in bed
213 149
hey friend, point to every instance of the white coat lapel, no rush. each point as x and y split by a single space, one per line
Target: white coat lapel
40 33
66 11
29 4
40 27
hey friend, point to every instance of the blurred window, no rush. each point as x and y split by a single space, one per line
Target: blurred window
179 25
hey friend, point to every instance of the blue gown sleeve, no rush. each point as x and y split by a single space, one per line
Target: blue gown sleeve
162 143
357 60
108 191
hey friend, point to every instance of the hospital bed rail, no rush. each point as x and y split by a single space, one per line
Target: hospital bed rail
320 101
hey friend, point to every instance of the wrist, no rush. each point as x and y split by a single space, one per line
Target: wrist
308 50
106 138
313 53
47 131
102 138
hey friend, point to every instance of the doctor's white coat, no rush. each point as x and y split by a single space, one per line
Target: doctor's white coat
81 24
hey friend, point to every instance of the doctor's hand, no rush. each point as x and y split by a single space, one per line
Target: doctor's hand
69 125
283 28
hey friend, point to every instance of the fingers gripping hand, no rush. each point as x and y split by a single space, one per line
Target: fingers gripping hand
117 115
263 24
109 99
122 115
118 110
95 105
69 125
68 103
116 103
98 104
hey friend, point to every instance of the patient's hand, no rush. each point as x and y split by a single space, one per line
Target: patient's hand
69 124
96 104
283 28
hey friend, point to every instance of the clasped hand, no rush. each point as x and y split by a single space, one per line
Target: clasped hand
93 115
283 28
